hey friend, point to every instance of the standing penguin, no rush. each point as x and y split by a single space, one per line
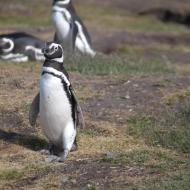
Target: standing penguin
70 28
64 25
56 103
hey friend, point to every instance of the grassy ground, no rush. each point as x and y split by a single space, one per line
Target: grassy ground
135 103
122 147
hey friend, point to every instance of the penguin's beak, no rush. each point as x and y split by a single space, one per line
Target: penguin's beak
45 50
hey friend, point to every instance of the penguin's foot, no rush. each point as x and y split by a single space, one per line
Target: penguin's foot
49 151
52 158
45 152
63 156
75 146
52 148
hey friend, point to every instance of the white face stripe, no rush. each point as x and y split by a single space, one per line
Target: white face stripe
54 45
6 40
37 51
63 2
52 70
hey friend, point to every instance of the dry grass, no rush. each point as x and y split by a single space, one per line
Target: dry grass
176 97
105 148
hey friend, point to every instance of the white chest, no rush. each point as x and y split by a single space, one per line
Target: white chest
55 108
62 24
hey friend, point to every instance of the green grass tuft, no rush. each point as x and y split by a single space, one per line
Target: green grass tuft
11 175
113 64
179 181
89 132
105 65
135 157
173 131
153 159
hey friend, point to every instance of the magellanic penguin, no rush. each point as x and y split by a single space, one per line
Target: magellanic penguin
56 103
21 47
70 29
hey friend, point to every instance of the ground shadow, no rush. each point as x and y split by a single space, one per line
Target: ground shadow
29 141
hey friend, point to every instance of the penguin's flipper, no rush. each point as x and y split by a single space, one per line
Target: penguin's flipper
75 32
34 110
77 109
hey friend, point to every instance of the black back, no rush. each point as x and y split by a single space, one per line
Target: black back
21 40
22 37
75 17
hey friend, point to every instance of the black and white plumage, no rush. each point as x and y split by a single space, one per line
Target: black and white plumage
21 47
70 30
56 103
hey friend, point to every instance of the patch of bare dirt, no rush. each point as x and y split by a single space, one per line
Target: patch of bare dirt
90 173
114 41
137 95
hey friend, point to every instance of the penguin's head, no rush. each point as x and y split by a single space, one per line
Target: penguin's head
6 45
53 51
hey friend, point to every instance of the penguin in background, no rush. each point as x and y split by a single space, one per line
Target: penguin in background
56 104
21 47
70 29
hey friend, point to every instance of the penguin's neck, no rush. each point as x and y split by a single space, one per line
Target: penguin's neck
53 64
56 73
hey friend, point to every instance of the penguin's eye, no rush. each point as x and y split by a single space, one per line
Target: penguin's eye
56 48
